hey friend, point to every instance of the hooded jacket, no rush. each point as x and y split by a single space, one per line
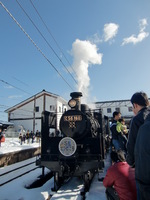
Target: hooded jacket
136 122
142 153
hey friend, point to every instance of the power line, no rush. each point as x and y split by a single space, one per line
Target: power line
20 81
36 45
55 42
14 86
51 35
23 83
45 39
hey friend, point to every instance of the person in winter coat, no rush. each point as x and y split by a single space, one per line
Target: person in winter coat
0 136
115 141
141 110
121 127
140 104
142 160
20 138
122 131
28 136
120 177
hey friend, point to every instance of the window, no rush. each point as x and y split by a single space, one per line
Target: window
52 108
59 109
37 109
108 110
130 109
118 109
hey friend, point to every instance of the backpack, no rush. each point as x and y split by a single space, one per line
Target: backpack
111 194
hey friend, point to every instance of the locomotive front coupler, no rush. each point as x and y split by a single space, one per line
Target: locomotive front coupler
64 169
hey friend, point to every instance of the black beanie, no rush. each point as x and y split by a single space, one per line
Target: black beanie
118 156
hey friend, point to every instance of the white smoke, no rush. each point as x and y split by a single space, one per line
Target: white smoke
84 55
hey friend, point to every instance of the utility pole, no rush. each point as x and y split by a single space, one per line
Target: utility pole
34 114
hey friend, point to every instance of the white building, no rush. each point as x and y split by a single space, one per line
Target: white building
28 112
122 106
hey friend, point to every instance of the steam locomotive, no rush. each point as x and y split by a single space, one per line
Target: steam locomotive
79 149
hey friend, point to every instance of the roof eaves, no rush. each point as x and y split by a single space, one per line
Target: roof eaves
30 99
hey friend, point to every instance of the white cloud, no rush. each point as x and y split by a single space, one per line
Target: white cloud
84 54
110 31
140 37
142 24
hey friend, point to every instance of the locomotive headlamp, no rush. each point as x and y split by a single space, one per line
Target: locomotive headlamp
67 146
72 103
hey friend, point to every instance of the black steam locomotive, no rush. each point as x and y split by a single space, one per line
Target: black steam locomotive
79 149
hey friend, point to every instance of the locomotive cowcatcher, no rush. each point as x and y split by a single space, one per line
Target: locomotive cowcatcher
79 149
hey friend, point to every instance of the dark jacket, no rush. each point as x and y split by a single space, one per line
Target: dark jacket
113 130
142 153
136 122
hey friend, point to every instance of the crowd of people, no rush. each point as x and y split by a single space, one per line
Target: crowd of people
30 137
128 178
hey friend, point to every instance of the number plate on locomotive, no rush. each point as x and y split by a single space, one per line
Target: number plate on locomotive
73 118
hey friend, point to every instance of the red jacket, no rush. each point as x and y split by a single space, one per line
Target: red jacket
122 177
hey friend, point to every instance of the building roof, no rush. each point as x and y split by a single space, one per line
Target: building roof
43 92
113 101
5 123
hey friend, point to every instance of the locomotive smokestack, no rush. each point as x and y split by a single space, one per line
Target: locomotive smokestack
76 97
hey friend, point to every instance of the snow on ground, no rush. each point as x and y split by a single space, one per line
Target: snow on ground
13 144
16 190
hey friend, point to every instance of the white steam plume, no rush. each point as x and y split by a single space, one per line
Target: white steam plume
84 54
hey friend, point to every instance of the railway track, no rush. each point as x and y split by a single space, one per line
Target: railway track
17 172
69 190
72 188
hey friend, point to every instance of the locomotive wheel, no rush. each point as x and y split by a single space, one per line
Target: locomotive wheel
56 178
87 179
57 181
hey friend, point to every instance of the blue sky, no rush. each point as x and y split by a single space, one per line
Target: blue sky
99 47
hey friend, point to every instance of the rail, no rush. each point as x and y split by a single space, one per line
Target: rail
9 176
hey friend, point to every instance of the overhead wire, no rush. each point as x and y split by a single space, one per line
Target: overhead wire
35 45
23 83
14 86
20 81
51 35
55 42
45 40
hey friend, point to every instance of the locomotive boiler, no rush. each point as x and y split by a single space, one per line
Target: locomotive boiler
79 149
